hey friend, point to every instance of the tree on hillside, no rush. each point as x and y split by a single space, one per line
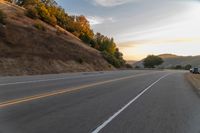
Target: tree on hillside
151 61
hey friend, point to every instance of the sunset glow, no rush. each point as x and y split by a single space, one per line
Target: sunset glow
141 27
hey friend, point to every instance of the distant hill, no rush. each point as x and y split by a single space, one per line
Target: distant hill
30 46
131 62
164 56
171 60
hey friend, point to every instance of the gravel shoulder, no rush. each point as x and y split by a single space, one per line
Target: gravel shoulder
194 80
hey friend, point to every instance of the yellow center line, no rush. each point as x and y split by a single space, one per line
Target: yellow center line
48 94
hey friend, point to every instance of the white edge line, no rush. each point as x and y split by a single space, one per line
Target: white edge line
35 81
99 128
42 80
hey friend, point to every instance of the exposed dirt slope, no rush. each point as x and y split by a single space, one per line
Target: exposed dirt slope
26 50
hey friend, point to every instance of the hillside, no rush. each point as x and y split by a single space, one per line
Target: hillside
25 49
171 60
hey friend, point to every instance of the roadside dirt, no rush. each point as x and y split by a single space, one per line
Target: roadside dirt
194 80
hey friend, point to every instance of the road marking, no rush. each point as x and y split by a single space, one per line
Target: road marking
42 80
99 128
48 94
34 81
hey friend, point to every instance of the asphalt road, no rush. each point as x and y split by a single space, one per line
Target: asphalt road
107 102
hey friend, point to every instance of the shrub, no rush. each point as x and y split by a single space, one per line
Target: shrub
137 67
80 60
111 59
51 20
32 13
2 17
178 67
45 15
187 67
129 66
39 26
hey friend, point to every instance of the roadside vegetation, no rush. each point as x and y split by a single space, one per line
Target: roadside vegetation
50 12
39 26
2 17
152 61
181 67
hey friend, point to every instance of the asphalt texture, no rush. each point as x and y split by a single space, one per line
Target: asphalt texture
109 102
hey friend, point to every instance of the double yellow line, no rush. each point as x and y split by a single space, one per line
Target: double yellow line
49 94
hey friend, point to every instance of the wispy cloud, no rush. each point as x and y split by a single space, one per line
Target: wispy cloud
95 20
159 41
110 3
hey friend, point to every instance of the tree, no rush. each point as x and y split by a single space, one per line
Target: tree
187 67
151 61
178 67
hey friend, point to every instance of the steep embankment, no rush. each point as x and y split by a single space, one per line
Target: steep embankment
25 49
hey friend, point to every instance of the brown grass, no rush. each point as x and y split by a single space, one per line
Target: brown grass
194 79
27 50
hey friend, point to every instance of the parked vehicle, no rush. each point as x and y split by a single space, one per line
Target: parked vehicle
195 70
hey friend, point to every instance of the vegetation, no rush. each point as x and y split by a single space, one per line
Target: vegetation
39 26
180 67
188 67
2 17
49 12
112 59
32 13
129 66
151 61
137 67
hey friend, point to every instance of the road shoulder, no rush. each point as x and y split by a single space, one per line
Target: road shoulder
194 80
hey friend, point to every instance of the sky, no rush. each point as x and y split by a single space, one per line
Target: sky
144 27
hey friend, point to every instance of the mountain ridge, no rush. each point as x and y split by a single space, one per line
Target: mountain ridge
172 60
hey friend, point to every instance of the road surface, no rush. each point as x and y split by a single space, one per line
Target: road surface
107 102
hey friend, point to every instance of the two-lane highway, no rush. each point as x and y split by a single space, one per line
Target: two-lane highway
110 102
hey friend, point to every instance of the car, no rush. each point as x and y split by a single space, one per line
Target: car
195 70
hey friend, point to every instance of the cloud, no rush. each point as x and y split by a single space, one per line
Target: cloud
110 3
134 43
95 20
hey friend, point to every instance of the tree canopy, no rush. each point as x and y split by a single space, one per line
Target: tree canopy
151 61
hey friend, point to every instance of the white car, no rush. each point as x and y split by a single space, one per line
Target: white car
195 70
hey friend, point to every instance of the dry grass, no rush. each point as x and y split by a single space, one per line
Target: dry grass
27 50
194 79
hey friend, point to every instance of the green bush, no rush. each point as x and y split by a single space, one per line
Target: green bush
151 61
39 26
111 59
45 15
32 13
2 17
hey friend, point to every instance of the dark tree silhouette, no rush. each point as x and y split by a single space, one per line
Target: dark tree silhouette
151 61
